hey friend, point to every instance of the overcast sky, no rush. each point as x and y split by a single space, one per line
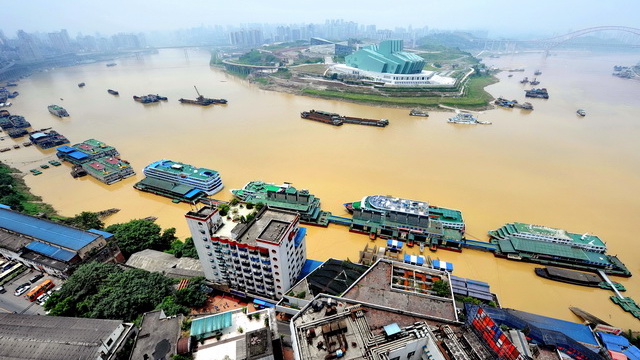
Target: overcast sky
499 17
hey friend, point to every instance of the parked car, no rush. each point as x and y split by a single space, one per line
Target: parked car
36 278
21 290
2 290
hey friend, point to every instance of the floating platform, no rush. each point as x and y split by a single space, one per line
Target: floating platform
174 191
628 305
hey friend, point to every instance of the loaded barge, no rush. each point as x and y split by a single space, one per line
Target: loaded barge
576 278
557 247
147 99
203 101
537 93
285 197
337 120
179 181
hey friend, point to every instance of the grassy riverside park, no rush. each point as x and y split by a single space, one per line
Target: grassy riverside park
474 96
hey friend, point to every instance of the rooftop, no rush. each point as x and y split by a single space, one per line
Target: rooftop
45 230
158 261
268 226
405 287
333 277
178 168
586 239
158 336
54 337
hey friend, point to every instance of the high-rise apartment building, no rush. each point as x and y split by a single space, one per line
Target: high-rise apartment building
262 257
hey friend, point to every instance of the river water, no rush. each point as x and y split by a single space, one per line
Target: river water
547 167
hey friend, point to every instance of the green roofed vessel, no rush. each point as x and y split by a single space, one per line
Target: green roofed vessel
285 197
551 246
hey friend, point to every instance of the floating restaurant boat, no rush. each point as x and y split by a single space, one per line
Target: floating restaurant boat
336 119
109 170
58 111
451 219
179 181
418 112
285 197
113 92
556 247
465 118
407 220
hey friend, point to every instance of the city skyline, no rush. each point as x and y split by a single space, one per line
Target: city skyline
496 16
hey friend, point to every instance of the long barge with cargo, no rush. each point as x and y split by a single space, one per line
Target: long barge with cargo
337 119
576 278
202 101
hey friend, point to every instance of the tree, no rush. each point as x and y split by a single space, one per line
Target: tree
192 295
170 307
137 235
259 206
441 288
234 202
86 220
224 209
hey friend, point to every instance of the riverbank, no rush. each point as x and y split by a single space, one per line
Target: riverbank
308 81
16 194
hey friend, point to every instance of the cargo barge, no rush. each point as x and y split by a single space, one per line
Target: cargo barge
537 93
285 197
113 92
202 101
576 278
337 119
418 112
408 221
58 111
147 99
109 170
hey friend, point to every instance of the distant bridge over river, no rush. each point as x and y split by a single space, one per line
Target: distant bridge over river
632 40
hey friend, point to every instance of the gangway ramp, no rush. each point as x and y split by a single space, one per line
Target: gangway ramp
479 245
333 219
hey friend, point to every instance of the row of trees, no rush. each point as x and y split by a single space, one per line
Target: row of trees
105 291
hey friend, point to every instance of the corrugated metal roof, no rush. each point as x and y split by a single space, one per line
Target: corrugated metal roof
50 251
211 323
66 149
48 231
104 234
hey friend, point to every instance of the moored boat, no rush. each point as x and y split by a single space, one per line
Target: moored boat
537 93
81 84
418 112
465 118
58 111
113 92
581 112
575 277
201 100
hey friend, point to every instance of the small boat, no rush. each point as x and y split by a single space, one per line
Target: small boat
534 82
16 146
54 163
524 81
113 92
537 72
44 166
581 112
36 171
510 75
111 64
81 84
418 112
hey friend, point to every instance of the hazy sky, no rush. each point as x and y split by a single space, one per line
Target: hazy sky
500 17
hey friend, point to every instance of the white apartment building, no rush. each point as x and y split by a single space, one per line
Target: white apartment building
263 257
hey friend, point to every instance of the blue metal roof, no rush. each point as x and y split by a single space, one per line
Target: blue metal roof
66 149
192 193
50 251
308 267
44 230
578 332
77 155
620 344
443 265
104 234
211 323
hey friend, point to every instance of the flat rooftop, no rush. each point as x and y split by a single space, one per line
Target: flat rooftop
269 226
167 264
53 337
333 277
202 213
403 287
158 336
